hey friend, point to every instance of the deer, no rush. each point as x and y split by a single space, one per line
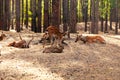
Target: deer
54 35
21 44
45 38
90 39
2 36
53 49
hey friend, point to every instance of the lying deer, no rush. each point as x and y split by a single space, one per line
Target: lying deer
21 44
2 36
90 39
54 35
53 49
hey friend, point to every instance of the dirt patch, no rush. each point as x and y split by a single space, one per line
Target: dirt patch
78 61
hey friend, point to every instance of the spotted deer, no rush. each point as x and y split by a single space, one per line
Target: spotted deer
55 36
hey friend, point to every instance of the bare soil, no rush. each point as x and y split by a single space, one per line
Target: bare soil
78 61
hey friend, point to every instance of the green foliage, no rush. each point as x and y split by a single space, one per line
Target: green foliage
105 6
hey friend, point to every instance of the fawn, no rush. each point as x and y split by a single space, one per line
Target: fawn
54 35
21 44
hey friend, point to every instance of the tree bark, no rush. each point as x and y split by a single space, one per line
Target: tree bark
34 27
18 15
56 13
1 15
26 15
94 16
22 12
46 14
116 18
65 14
73 13
39 15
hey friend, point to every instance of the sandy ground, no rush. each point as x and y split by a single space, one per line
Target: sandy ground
77 62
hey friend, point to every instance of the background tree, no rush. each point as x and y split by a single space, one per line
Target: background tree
101 15
85 12
39 15
65 14
33 27
46 14
56 13
42 13
73 13
116 17
26 14
12 13
94 16
22 12
17 15
1 14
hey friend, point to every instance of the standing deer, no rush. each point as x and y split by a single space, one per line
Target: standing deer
55 36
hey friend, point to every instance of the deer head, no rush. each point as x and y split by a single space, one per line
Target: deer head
78 37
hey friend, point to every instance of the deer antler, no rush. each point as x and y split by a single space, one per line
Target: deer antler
30 40
20 37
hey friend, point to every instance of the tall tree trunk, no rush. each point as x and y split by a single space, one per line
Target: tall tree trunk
46 14
94 17
116 17
101 18
102 22
73 13
18 15
39 15
5 15
50 12
13 14
86 13
22 12
106 23
8 14
106 20
1 14
34 27
78 11
111 13
56 13
26 15
65 14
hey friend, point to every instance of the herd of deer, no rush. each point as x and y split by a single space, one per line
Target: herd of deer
55 38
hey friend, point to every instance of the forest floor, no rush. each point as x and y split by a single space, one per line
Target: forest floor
78 61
